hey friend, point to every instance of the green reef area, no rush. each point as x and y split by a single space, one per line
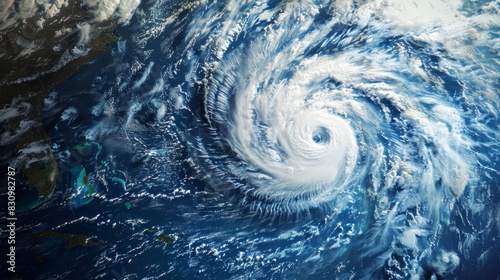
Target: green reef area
83 189
29 78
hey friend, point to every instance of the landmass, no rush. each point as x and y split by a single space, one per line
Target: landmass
72 240
42 52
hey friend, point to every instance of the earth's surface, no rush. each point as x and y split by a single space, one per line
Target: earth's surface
345 139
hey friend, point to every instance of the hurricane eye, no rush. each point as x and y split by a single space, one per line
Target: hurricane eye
320 135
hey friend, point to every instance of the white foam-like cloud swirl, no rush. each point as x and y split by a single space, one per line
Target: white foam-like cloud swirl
294 123
288 134
300 148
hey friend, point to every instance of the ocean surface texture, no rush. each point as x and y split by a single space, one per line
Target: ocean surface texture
349 139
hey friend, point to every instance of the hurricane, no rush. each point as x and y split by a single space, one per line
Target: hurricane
293 156
348 139
368 109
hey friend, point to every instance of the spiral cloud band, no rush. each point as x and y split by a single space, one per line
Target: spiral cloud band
296 120
295 142
336 105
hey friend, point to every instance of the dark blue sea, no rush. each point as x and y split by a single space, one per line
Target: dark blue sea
277 140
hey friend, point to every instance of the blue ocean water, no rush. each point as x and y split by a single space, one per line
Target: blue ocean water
280 140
